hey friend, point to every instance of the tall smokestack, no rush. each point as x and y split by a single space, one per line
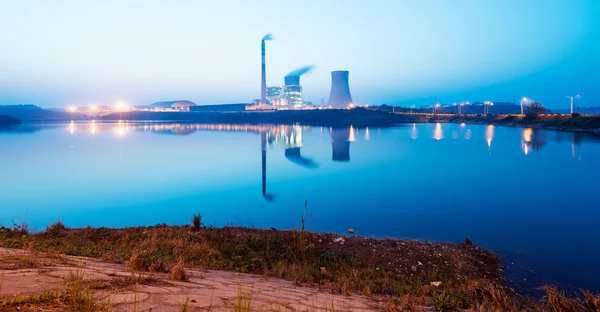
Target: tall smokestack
263 76
340 90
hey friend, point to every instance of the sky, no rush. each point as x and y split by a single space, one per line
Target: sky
399 52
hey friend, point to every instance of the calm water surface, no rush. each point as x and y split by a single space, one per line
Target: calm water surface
531 195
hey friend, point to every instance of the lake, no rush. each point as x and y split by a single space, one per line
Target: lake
530 195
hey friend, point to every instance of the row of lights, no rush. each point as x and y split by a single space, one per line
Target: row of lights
490 103
119 105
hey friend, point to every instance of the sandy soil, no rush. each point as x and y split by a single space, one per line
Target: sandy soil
26 272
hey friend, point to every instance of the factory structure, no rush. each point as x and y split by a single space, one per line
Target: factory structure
289 96
275 97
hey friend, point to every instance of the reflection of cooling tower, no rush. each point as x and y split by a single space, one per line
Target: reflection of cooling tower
340 144
340 90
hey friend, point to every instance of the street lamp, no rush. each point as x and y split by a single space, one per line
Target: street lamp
486 105
435 108
411 108
571 98
460 108
523 100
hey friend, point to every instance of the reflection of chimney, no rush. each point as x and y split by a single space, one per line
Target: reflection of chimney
263 147
340 90
340 144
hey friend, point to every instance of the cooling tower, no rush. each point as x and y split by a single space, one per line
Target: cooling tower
340 90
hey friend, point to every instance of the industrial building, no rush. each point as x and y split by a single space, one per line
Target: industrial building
293 91
170 106
340 97
275 96
236 107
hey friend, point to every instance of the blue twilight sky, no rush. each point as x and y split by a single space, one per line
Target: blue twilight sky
61 52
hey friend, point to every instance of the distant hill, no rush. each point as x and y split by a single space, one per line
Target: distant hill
30 112
8 121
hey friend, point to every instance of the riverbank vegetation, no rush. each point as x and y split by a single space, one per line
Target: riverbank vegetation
407 273
577 122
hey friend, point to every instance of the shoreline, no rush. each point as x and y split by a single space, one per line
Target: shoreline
426 274
358 117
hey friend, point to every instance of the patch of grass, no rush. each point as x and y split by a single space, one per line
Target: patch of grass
197 222
186 305
559 301
76 294
443 302
56 228
178 272
243 301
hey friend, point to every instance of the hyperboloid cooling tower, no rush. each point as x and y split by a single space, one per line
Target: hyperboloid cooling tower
340 90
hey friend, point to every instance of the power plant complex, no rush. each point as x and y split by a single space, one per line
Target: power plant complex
289 96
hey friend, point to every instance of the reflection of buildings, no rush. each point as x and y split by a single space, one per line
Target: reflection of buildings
340 144
533 139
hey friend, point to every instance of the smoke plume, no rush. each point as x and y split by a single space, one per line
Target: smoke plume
301 71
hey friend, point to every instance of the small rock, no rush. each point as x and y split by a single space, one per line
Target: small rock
323 270
351 231
339 240
193 301
436 283
414 268
420 263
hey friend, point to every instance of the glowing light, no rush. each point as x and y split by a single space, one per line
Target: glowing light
351 137
462 124
72 109
527 132
367 136
120 129
93 127
438 134
413 132
524 147
121 105
93 108
489 135
72 127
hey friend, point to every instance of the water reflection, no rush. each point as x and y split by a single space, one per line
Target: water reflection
340 143
413 132
533 139
438 133
220 170
489 135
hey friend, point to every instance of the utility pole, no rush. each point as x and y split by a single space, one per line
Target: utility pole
572 97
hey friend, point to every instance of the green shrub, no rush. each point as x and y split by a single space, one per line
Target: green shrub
197 222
